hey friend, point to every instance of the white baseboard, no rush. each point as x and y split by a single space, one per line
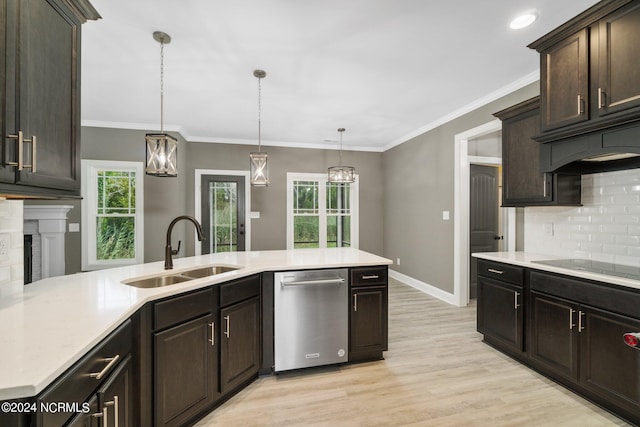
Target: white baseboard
424 287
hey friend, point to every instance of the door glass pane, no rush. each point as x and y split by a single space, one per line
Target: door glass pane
223 199
306 231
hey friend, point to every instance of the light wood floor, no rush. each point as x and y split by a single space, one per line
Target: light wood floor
437 372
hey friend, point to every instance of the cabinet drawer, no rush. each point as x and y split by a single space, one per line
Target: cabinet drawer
77 384
366 276
595 294
180 309
239 290
499 271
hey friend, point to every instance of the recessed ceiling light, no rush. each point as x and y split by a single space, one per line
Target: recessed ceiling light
523 20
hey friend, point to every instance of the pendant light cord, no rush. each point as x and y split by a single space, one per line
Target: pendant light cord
259 113
161 86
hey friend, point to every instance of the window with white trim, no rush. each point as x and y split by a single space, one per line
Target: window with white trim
112 214
321 214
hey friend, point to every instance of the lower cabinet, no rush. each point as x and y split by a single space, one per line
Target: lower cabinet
368 318
185 375
240 348
205 346
573 333
500 305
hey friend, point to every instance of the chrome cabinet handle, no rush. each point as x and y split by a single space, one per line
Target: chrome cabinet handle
113 403
112 361
580 106
227 333
601 97
491 270
571 324
355 302
338 281
21 140
371 276
515 300
212 325
544 184
580 325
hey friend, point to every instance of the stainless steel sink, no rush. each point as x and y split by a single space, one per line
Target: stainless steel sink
197 273
158 281
180 277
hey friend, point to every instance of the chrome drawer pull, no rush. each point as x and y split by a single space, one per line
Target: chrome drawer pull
371 276
355 302
112 361
491 270
213 334
571 324
113 403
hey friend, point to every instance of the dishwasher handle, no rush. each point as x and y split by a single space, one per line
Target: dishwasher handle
336 281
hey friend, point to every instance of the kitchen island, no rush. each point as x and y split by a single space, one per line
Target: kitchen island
55 322
567 319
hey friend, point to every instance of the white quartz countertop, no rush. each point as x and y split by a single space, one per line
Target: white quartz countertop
527 259
51 324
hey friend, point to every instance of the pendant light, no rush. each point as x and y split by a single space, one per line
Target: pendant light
342 174
259 168
162 148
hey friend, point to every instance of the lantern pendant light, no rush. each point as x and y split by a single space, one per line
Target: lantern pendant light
161 148
340 173
259 168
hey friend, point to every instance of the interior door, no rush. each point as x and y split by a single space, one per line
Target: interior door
483 217
223 213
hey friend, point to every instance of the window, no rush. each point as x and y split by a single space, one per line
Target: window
112 214
321 214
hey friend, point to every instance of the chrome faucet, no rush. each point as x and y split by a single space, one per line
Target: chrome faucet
168 252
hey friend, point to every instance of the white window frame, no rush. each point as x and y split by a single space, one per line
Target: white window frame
89 182
322 179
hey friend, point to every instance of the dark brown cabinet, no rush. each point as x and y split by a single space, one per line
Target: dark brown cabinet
500 305
523 182
368 317
554 334
185 357
240 351
588 71
41 88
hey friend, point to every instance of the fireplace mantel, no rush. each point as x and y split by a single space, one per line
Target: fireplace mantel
47 223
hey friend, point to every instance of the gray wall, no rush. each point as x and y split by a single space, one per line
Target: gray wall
419 186
166 198
269 231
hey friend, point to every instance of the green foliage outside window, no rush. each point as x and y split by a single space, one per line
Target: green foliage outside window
115 222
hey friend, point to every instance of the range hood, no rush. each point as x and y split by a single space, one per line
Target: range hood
608 150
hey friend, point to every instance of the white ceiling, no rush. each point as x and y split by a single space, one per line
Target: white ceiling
385 70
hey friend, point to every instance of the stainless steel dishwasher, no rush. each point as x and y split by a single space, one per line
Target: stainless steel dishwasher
311 318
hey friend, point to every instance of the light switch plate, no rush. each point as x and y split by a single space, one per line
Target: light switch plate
74 227
445 215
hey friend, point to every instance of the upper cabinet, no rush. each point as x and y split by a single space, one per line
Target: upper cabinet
589 71
523 182
40 118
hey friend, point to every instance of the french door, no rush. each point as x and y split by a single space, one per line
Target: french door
223 213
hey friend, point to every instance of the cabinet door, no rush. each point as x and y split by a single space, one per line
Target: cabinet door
609 367
48 69
500 313
619 60
554 334
368 326
564 82
523 183
185 372
240 348
8 40
115 397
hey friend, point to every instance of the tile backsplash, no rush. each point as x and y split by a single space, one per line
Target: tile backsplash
606 228
11 247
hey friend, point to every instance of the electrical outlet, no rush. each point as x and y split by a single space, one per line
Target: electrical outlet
398 261
5 243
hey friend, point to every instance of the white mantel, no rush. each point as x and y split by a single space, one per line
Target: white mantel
47 224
